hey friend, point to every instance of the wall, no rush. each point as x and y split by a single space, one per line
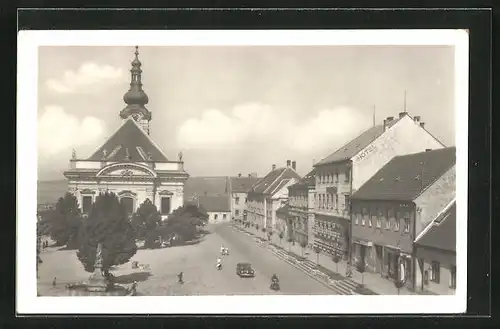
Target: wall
339 241
326 178
404 137
434 199
382 235
425 257
220 217
241 206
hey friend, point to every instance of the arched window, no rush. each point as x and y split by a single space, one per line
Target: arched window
128 204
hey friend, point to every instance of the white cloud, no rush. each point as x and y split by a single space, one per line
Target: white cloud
59 132
89 77
260 123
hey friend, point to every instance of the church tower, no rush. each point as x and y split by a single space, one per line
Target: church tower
136 98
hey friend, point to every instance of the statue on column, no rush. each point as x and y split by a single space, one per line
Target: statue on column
98 281
73 154
180 156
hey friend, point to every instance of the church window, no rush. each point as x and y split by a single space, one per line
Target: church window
86 204
128 204
165 206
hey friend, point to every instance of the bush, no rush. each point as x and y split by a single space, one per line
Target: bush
108 224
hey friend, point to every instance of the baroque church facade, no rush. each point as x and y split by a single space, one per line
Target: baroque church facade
130 164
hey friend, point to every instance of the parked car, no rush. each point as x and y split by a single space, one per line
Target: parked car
244 270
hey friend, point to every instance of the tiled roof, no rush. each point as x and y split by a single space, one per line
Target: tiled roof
132 139
273 180
406 176
442 235
213 203
356 145
196 186
307 180
242 184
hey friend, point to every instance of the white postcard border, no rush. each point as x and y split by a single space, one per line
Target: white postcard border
27 301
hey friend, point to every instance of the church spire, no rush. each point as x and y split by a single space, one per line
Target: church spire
135 97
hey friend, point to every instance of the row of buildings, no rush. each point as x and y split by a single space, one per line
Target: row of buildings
383 201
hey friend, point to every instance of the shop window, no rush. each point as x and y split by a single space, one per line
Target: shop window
435 272
453 277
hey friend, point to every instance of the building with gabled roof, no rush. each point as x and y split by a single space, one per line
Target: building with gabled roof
217 207
269 193
393 207
435 251
130 163
300 218
238 189
340 174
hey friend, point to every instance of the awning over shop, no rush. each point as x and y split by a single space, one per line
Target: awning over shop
363 242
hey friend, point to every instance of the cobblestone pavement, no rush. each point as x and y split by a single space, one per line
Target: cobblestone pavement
197 262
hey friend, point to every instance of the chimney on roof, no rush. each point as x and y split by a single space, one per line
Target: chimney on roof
294 165
422 124
239 175
389 119
249 175
427 150
402 114
385 122
274 167
288 162
416 118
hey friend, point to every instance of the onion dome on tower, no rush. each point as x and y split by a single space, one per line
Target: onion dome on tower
135 97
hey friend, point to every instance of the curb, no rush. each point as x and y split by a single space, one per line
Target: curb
261 245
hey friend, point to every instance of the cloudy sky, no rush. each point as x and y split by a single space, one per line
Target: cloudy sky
239 109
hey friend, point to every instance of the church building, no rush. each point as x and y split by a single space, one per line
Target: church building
130 164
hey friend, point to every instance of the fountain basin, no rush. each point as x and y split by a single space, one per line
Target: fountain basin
86 289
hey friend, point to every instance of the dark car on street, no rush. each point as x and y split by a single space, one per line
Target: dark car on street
244 270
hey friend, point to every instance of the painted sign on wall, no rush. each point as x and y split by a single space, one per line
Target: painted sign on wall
369 150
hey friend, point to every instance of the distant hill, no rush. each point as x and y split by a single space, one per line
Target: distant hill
51 191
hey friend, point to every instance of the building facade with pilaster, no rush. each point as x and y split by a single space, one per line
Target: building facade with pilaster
130 164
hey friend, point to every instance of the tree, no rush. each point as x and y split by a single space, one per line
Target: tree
303 245
65 221
108 224
317 251
183 223
336 260
281 236
145 222
360 266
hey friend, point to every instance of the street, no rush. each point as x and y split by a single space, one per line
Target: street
197 262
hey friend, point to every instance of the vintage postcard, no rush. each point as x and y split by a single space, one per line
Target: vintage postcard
242 171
